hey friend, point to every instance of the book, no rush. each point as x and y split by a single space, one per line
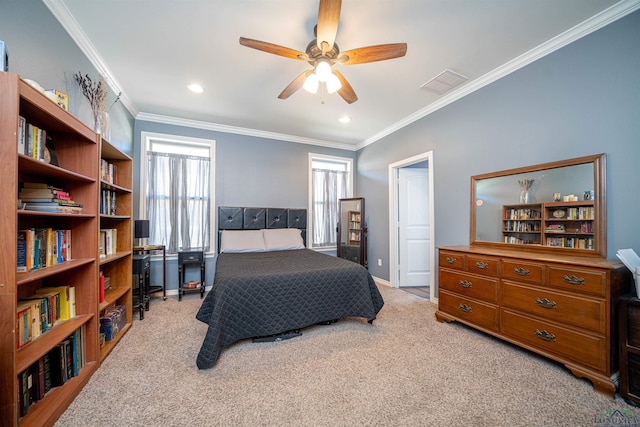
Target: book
22 252
57 367
22 135
46 372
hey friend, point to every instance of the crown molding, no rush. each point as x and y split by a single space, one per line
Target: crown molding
71 26
176 121
602 19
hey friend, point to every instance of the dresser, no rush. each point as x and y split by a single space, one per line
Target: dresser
560 306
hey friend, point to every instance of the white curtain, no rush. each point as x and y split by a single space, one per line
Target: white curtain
328 186
178 201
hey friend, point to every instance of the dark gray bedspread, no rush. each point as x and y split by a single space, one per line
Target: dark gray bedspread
267 293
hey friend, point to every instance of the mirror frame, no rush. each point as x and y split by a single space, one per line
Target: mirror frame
600 203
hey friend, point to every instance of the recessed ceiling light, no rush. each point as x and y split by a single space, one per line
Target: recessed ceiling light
344 119
195 87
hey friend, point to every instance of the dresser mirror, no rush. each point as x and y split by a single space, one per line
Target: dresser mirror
352 230
557 207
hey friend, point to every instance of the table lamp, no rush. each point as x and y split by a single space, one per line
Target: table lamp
141 230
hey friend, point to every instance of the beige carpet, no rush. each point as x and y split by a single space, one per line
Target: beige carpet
404 370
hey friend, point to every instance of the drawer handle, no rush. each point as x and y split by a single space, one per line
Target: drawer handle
521 271
545 335
465 308
545 303
573 280
451 260
465 283
481 264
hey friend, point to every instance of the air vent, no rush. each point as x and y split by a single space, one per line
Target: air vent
444 82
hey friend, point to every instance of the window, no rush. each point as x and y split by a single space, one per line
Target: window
177 190
330 179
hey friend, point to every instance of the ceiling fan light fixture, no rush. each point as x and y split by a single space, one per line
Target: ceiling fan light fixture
333 83
323 70
311 84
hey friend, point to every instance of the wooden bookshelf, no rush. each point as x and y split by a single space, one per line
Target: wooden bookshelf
568 225
115 204
75 146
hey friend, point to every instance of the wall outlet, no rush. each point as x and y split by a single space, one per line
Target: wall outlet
379 262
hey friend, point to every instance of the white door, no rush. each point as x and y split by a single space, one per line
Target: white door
414 227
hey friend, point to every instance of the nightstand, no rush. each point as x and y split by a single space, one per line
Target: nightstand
190 259
141 277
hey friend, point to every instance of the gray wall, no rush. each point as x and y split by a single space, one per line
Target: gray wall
41 50
249 171
583 99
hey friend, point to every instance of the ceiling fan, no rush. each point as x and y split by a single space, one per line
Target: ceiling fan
323 53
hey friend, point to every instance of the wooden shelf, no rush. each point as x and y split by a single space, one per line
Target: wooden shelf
76 144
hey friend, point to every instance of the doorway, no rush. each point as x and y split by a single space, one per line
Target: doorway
411 227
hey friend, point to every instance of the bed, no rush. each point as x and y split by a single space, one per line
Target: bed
267 284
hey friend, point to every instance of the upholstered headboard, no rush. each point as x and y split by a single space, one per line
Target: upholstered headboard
238 218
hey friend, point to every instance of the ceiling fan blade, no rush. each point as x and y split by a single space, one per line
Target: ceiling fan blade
274 48
294 85
328 20
372 53
346 91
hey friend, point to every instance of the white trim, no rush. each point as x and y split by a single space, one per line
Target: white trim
316 156
144 138
196 124
393 217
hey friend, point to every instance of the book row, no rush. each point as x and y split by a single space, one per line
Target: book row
40 312
42 247
107 242
522 226
584 212
34 142
62 363
522 213
108 172
107 202
571 242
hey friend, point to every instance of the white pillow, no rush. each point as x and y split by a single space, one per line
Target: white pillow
282 239
242 241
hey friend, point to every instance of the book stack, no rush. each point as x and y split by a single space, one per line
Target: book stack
42 247
107 242
107 202
42 197
52 370
108 172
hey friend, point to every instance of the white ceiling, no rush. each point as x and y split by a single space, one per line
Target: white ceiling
152 49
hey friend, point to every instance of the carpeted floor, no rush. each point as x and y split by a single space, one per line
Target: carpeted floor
404 370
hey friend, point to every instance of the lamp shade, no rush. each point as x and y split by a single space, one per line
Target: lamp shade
141 228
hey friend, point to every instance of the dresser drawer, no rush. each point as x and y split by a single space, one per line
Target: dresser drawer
482 265
586 313
470 285
522 271
578 280
473 311
451 260
583 348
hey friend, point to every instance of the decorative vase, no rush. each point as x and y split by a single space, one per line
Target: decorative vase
101 125
524 196
97 123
